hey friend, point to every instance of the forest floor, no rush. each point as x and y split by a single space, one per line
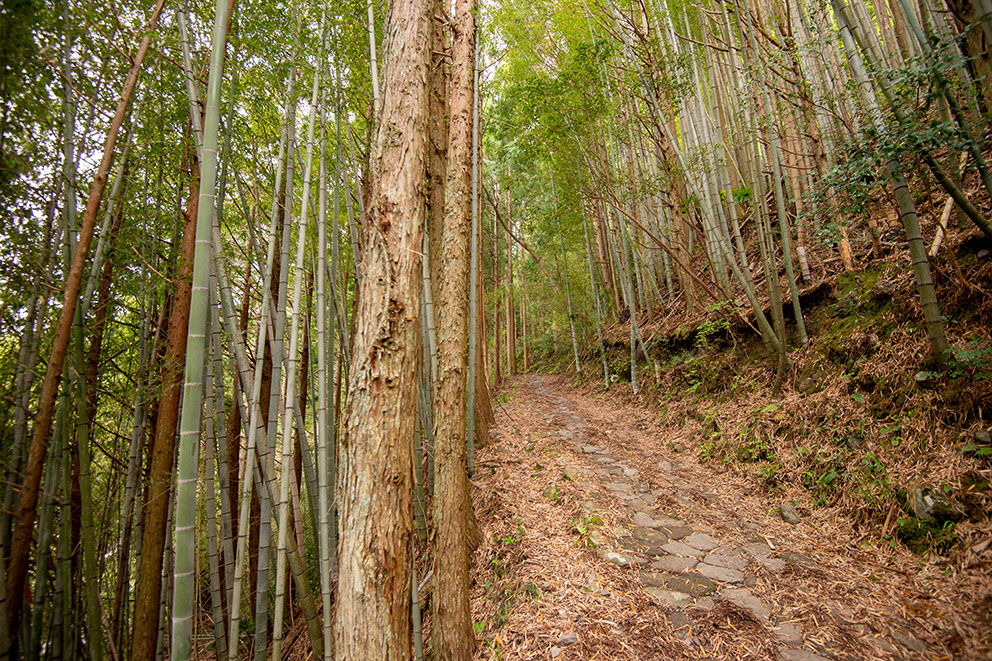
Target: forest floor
603 538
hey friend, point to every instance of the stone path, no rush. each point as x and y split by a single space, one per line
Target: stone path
687 567
682 566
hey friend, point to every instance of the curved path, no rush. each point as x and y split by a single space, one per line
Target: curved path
626 547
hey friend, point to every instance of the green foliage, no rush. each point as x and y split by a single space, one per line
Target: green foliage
712 327
584 525
921 537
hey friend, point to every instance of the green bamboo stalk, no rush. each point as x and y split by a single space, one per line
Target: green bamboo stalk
189 426
324 448
291 381
904 199
210 438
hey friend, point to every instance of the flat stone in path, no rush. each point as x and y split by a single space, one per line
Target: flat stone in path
757 549
649 537
678 548
721 574
789 634
619 487
701 542
620 559
743 598
674 564
654 579
772 564
644 521
679 620
690 583
664 597
675 533
729 561
630 472
591 449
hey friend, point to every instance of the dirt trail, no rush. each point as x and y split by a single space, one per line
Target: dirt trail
603 541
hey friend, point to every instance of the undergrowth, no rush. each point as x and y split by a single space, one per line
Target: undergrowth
864 417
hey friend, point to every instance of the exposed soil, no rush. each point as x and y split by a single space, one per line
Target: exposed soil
605 538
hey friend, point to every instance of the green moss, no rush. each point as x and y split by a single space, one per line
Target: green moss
921 537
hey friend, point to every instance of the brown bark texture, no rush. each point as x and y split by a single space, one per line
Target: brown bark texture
148 588
375 483
451 616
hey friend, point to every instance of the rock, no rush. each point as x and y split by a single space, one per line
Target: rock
743 598
705 603
771 564
555 652
790 514
925 379
983 437
674 564
630 472
619 487
678 548
789 634
619 559
644 521
678 620
569 474
722 574
882 644
933 506
677 447
883 290
807 385
592 583
664 597
728 561
591 449
695 584
701 542
983 253
596 538
668 521
676 533
853 442
648 537
589 506
653 579
757 549
529 447
567 639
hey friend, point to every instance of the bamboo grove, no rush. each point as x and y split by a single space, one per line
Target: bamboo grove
263 260
712 159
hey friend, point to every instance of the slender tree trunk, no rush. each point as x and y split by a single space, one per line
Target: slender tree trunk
452 635
148 584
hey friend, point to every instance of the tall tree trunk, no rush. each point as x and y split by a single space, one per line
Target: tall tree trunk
452 635
375 481
155 509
